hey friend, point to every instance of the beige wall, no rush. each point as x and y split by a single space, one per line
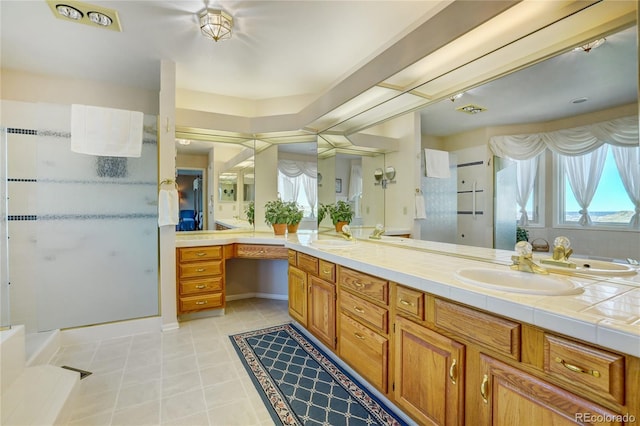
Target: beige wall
28 87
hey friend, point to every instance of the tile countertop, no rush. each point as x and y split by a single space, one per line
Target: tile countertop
607 313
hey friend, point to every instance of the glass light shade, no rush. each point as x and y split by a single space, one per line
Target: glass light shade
216 24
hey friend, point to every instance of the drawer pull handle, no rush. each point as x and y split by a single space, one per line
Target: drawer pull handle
202 302
484 389
405 303
453 372
576 369
359 336
358 310
200 253
201 269
201 286
358 284
326 271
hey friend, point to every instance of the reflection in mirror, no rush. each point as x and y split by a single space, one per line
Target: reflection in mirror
226 164
191 194
298 179
227 186
574 90
357 174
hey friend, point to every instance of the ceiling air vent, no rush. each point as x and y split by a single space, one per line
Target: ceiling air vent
471 109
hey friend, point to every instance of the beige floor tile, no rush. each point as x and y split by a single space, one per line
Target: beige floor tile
138 394
139 415
172 367
224 393
181 383
198 419
218 374
237 413
182 405
141 375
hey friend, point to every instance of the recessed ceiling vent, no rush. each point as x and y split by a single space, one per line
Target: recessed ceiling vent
471 109
84 13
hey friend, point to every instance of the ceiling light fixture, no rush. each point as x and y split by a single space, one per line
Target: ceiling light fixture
456 96
216 24
184 141
99 18
591 45
471 109
69 12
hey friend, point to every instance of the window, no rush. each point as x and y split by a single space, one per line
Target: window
610 204
295 189
535 201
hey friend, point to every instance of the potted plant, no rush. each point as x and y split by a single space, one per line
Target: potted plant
340 213
276 215
295 216
250 212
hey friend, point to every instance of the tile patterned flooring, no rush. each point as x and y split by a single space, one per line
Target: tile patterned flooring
188 377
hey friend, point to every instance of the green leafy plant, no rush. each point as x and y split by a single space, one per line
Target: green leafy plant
250 211
276 211
521 234
295 213
340 211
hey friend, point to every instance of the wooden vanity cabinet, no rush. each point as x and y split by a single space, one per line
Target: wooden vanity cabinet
429 374
312 295
363 325
511 396
200 278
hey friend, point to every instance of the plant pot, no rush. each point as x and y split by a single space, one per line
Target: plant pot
279 228
339 226
293 228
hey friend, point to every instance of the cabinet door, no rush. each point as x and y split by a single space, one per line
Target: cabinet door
429 374
298 295
322 310
513 397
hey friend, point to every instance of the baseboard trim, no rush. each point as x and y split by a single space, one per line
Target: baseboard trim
273 296
74 336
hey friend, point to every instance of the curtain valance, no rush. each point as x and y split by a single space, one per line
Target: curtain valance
292 168
571 142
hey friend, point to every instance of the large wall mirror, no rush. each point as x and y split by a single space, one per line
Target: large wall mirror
215 173
574 91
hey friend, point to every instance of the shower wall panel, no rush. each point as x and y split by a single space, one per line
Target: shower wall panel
83 247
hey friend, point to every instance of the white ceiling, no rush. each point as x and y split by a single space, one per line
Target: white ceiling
278 48
282 49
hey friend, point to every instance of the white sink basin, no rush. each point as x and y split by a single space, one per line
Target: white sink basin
595 267
518 282
333 244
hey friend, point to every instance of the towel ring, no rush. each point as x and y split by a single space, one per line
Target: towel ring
168 182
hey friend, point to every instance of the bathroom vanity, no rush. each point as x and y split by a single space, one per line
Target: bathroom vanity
448 352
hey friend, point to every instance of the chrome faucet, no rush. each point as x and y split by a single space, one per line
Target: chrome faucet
346 233
561 252
377 233
523 260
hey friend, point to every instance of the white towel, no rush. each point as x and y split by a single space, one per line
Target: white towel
106 131
420 207
168 207
436 163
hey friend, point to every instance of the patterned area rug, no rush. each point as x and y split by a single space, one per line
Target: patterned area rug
301 385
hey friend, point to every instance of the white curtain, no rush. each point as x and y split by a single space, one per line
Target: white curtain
292 168
311 190
572 142
355 187
584 173
526 171
628 163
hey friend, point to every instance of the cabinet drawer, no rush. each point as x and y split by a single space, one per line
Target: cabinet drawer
491 332
365 285
292 258
205 285
327 271
189 254
200 269
196 303
373 315
255 251
365 350
410 302
591 368
308 263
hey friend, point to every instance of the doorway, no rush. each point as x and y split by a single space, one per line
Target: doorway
191 188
